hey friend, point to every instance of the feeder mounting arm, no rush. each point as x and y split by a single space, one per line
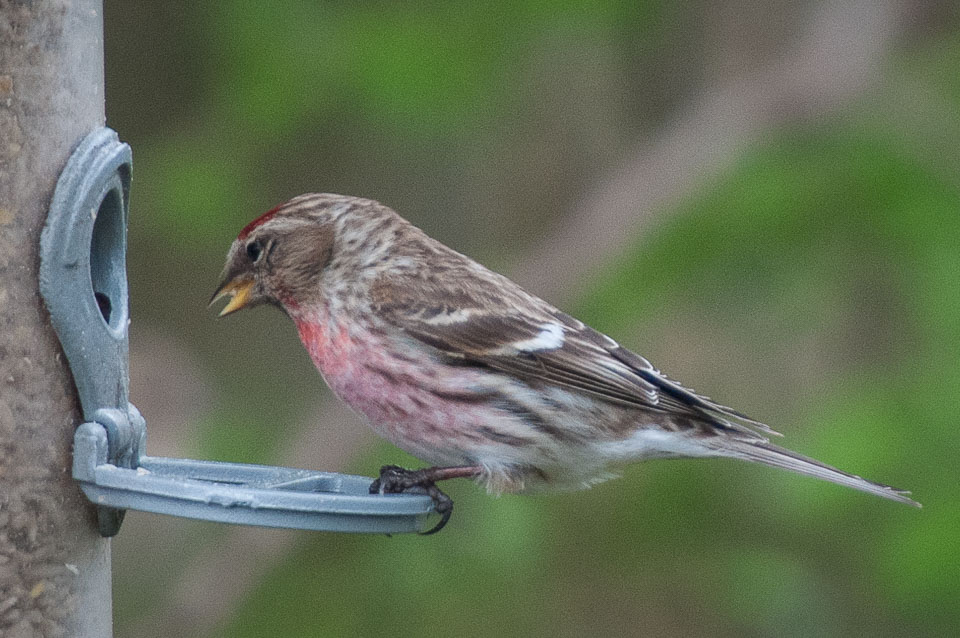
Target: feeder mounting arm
83 282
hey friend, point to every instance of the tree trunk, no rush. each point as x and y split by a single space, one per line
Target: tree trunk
54 567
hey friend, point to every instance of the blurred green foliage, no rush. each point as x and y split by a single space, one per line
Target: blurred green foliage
817 279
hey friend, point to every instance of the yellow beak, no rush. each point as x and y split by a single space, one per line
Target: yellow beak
239 291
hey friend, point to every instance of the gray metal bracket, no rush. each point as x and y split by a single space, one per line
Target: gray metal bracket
83 282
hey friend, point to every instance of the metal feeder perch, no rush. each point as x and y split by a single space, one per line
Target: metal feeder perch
83 281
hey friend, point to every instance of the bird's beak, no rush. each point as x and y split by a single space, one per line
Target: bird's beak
239 289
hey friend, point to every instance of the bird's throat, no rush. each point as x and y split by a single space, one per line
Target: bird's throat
328 345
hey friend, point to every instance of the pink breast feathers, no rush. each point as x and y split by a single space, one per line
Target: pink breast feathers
401 398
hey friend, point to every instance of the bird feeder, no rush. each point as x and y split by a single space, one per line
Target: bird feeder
83 282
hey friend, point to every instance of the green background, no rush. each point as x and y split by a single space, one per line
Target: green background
811 281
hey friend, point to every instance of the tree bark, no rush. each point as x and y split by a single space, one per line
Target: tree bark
54 566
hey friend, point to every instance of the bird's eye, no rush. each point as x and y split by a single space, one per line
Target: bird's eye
254 250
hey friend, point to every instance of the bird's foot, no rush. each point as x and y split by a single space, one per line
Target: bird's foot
397 480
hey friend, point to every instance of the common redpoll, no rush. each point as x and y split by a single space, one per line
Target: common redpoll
461 367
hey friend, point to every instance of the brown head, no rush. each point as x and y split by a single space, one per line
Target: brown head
281 256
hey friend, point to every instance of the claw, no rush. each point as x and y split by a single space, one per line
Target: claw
397 480
442 505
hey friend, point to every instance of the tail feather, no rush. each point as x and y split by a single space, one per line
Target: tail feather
775 456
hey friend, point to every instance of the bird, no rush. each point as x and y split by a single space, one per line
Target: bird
464 369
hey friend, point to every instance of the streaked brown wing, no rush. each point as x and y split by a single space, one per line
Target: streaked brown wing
474 315
514 344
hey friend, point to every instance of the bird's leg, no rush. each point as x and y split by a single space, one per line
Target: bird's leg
396 480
